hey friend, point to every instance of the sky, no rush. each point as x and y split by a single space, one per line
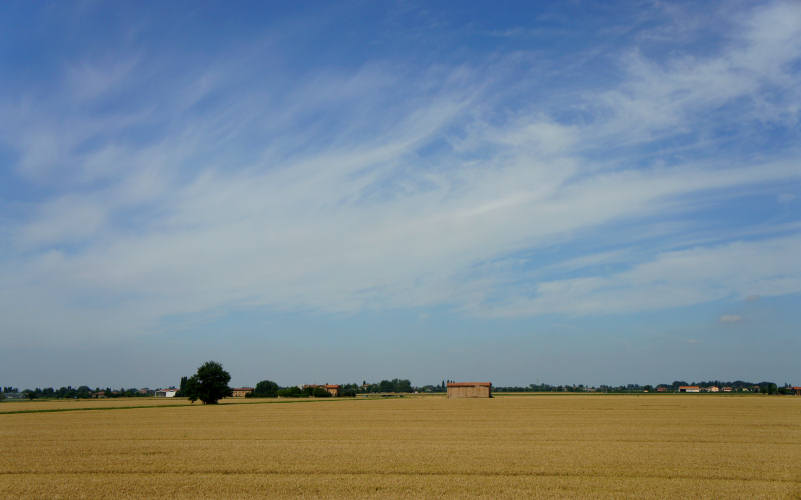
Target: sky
521 192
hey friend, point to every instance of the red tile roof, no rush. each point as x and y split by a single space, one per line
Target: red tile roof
469 384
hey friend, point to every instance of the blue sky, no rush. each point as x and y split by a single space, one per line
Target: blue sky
518 192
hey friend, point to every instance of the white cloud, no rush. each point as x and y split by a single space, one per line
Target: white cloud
382 188
672 279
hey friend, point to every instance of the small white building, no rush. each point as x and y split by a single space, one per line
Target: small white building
166 393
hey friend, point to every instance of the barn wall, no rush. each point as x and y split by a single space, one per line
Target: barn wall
476 391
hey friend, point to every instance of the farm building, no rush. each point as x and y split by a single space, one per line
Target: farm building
241 392
797 391
469 390
689 388
166 393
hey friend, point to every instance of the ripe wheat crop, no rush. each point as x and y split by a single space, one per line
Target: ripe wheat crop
537 446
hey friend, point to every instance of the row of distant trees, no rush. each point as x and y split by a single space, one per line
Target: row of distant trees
210 384
737 386
69 392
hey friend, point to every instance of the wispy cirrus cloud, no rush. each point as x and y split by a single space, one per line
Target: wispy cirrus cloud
392 185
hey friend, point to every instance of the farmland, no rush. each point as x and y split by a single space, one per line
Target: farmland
539 446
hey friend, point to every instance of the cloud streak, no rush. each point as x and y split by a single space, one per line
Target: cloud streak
390 186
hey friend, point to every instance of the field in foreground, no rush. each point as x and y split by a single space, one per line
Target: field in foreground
644 446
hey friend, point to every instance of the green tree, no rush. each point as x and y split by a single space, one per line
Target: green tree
265 389
210 384
402 385
291 392
182 387
320 392
190 389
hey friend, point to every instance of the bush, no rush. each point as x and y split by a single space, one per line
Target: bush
291 392
265 389
320 392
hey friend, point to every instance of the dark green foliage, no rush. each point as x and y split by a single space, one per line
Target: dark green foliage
182 387
191 388
320 392
209 384
768 388
394 385
265 389
291 392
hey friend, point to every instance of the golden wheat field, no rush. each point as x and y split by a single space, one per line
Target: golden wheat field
653 446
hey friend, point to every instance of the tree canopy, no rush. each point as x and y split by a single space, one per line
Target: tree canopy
209 384
265 389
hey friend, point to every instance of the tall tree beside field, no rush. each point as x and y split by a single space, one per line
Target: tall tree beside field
190 389
210 384
182 387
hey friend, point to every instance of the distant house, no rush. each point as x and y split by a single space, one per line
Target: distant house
796 391
728 389
241 392
713 388
469 390
166 393
689 388
661 389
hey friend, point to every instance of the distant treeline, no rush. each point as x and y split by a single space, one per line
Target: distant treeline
81 392
267 388
736 386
